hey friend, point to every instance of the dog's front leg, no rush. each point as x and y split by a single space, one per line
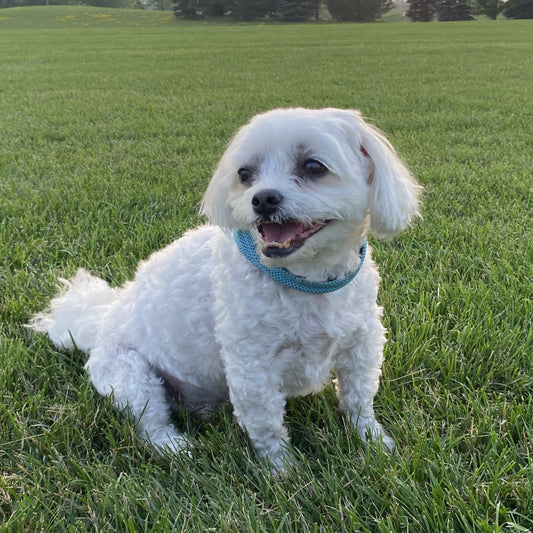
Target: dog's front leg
259 407
358 370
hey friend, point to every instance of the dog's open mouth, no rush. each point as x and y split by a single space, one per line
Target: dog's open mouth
281 239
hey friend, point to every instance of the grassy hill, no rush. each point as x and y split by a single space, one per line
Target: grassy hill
47 17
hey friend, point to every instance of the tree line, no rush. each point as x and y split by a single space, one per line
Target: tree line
285 10
352 10
445 10
306 10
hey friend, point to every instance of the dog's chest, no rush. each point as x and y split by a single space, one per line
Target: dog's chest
304 367
304 349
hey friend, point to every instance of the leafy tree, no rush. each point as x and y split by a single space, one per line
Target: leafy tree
160 5
197 8
297 10
189 8
421 10
251 9
358 10
240 9
217 8
490 8
519 9
448 10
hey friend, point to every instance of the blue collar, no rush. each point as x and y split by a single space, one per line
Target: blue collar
246 245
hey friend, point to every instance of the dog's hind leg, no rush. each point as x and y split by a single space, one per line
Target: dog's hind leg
135 386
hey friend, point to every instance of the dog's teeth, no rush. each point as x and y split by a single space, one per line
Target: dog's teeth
281 245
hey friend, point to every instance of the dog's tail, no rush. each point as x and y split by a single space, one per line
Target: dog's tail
75 315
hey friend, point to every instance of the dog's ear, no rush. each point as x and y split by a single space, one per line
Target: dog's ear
215 203
394 192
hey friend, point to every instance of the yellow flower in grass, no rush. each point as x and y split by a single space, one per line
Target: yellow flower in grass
66 18
102 17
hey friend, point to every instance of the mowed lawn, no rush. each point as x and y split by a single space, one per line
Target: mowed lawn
111 123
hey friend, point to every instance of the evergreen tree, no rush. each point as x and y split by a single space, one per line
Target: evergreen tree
421 10
189 8
216 8
251 9
448 10
198 8
297 10
490 8
519 9
358 10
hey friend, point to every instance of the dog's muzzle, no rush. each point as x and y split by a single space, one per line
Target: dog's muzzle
280 239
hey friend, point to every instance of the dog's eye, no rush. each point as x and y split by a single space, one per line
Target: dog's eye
245 174
314 168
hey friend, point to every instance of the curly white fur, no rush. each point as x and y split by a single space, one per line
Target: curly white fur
199 323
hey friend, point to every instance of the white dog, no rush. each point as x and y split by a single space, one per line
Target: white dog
266 301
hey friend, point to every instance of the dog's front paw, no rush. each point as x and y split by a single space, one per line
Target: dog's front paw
369 428
168 440
279 461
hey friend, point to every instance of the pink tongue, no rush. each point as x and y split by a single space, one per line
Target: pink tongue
281 232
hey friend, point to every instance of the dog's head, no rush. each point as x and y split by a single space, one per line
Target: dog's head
306 182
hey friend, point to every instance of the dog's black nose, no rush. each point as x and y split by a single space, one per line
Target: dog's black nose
267 202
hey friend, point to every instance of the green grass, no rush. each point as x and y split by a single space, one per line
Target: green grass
108 136
57 17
